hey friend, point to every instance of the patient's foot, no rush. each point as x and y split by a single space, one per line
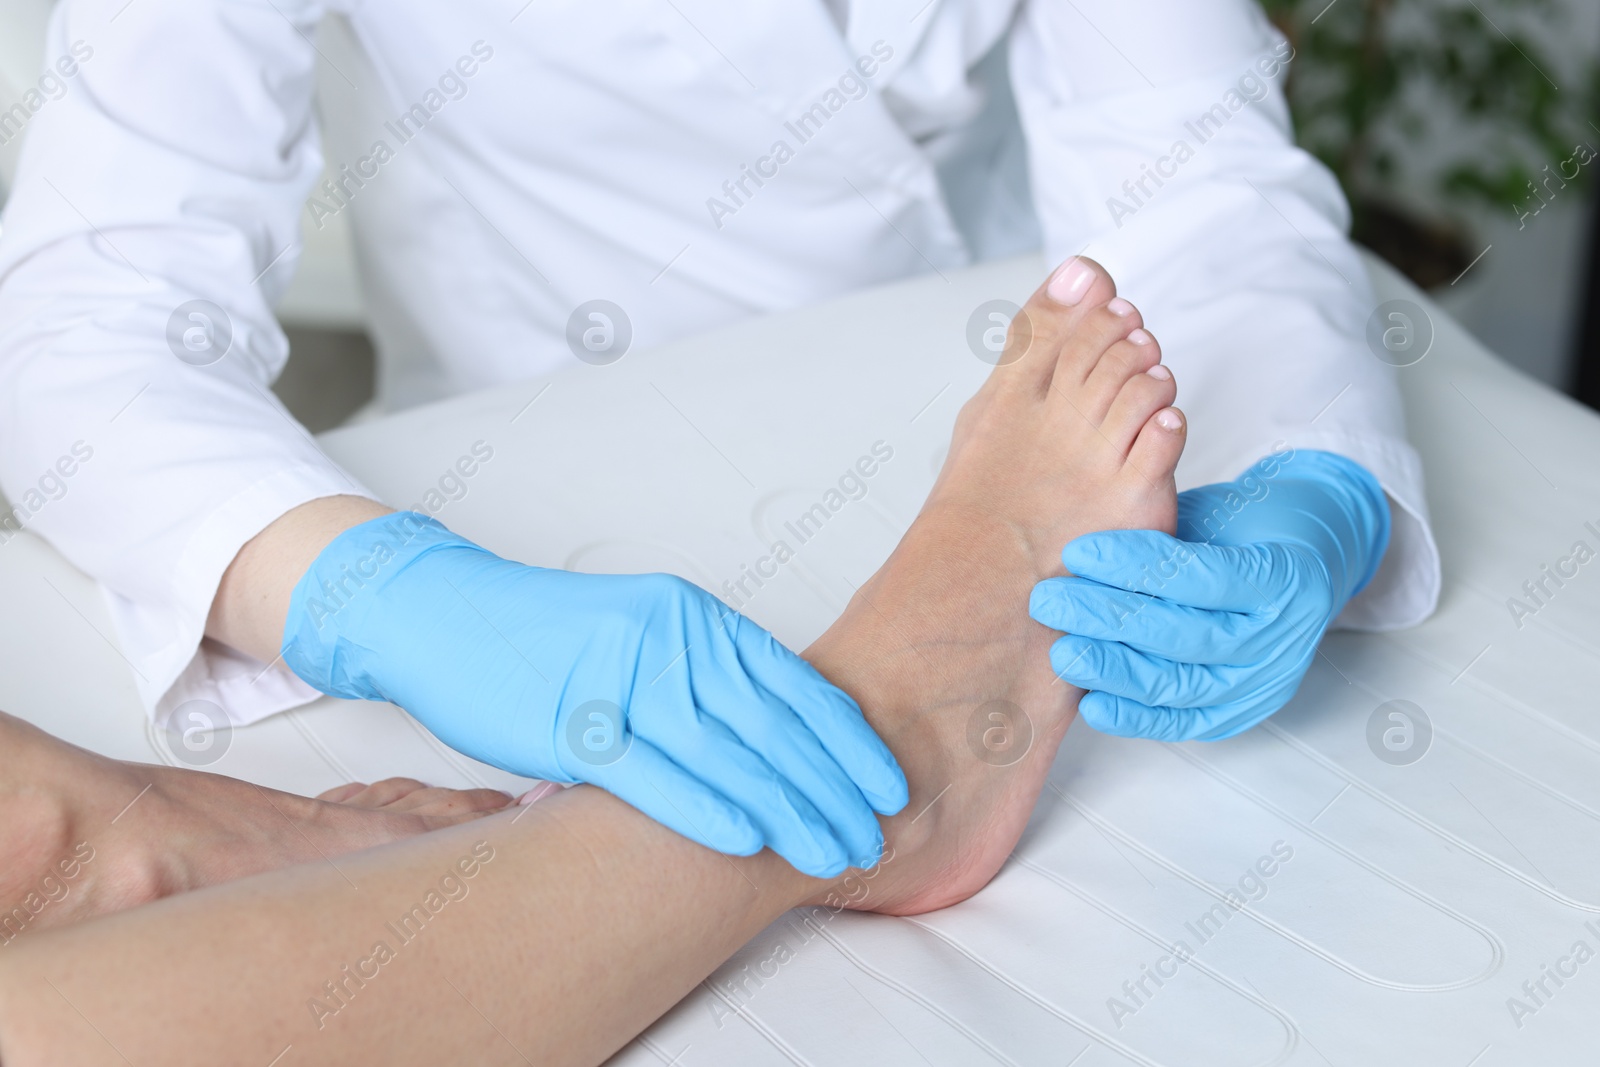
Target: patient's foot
83 834
1073 436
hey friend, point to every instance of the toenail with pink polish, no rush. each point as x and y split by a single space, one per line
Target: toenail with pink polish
1161 372
1140 336
1168 419
1119 306
538 793
1071 281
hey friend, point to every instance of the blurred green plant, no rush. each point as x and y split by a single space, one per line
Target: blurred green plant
1371 75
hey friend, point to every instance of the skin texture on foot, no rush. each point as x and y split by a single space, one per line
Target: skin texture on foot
1073 432
139 832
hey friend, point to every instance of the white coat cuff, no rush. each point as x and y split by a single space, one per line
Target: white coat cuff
165 641
1405 591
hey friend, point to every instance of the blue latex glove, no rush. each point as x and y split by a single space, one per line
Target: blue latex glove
704 721
1203 635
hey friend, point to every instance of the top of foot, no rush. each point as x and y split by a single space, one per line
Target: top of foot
88 835
1072 433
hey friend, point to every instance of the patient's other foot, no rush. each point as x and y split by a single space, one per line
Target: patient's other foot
1074 435
129 833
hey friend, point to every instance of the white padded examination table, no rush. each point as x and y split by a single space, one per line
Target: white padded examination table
1390 910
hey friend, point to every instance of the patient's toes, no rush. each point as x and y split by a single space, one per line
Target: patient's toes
1128 358
1098 331
341 793
1140 397
407 796
453 802
1156 449
380 794
1071 302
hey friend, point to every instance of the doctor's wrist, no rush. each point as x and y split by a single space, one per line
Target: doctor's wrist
1347 502
350 627
251 604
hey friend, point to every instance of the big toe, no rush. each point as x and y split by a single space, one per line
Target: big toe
1066 323
1080 282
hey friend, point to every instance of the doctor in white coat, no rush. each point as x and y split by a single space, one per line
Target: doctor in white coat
692 163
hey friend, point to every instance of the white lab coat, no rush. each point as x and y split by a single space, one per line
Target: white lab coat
558 152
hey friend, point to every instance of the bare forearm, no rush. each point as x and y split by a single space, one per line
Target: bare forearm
581 922
252 601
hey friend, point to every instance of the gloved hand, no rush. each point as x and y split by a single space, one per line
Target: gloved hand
644 685
1203 635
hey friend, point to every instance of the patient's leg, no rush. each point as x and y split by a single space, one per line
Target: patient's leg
129 832
582 920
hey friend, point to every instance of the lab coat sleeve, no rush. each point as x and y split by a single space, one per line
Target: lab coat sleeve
1159 144
173 168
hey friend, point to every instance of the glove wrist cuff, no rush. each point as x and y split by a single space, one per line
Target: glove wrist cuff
1356 514
325 637
1323 502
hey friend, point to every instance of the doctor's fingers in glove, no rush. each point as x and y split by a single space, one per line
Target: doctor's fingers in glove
724 727
1217 640
1187 601
1116 669
827 714
755 722
1217 577
1176 631
655 785
1122 717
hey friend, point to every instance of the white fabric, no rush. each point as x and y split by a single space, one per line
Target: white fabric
580 159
